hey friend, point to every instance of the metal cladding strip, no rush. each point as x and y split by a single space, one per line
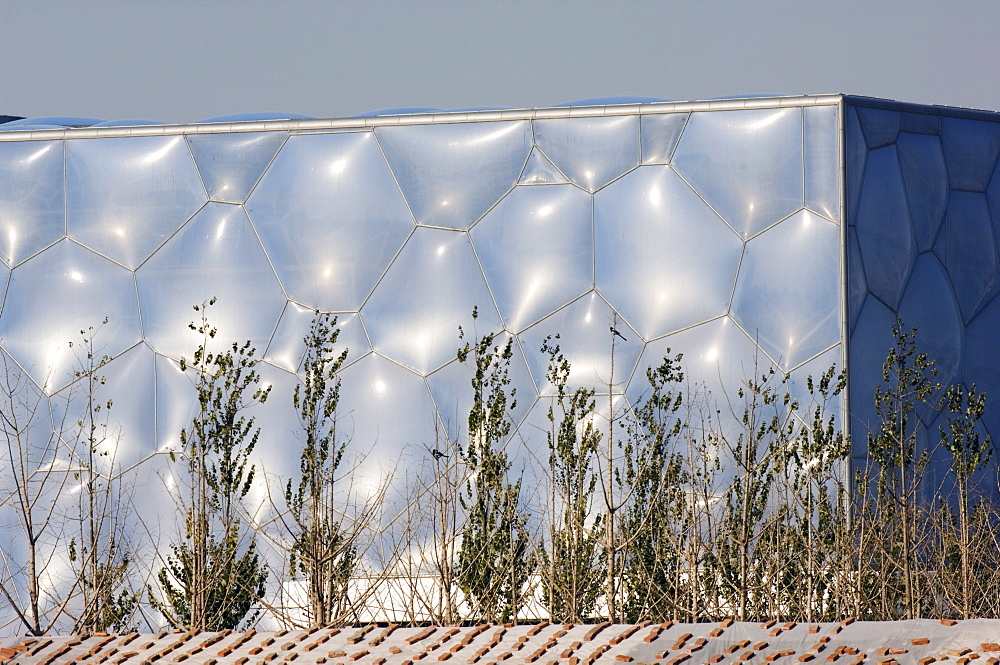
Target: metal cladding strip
420 118
917 642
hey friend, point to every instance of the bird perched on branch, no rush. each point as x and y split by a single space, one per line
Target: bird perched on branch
438 454
614 331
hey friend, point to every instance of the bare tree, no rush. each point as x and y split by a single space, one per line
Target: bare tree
37 474
100 551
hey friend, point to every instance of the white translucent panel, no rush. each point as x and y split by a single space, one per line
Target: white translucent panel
26 423
452 174
32 198
176 402
126 433
788 291
330 217
4 281
539 170
591 151
529 452
79 289
880 126
216 255
664 259
797 387
125 196
429 291
857 287
967 249
718 360
926 180
929 306
883 226
660 133
854 167
982 348
536 248
231 164
287 346
451 388
586 341
279 448
161 482
821 150
747 164
387 415
970 151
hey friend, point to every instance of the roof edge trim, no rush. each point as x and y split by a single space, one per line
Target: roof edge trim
926 109
445 117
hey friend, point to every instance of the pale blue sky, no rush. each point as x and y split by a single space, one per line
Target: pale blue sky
184 60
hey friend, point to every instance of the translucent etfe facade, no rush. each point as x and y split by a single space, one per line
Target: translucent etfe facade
714 229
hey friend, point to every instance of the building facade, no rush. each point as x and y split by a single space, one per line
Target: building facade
748 234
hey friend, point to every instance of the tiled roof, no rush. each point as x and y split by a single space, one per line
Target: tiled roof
920 642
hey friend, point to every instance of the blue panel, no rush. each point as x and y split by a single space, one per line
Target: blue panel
854 168
591 151
787 294
880 126
968 250
921 123
747 164
982 348
870 343
330 217
970 150
883 227
993 198
665 260
926 180
32 198
857 286
660 134
536 248
452 174
929 305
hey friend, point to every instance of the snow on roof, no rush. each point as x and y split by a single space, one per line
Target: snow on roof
921 642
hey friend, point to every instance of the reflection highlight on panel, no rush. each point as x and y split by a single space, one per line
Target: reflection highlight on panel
664 259
535 247
429 291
